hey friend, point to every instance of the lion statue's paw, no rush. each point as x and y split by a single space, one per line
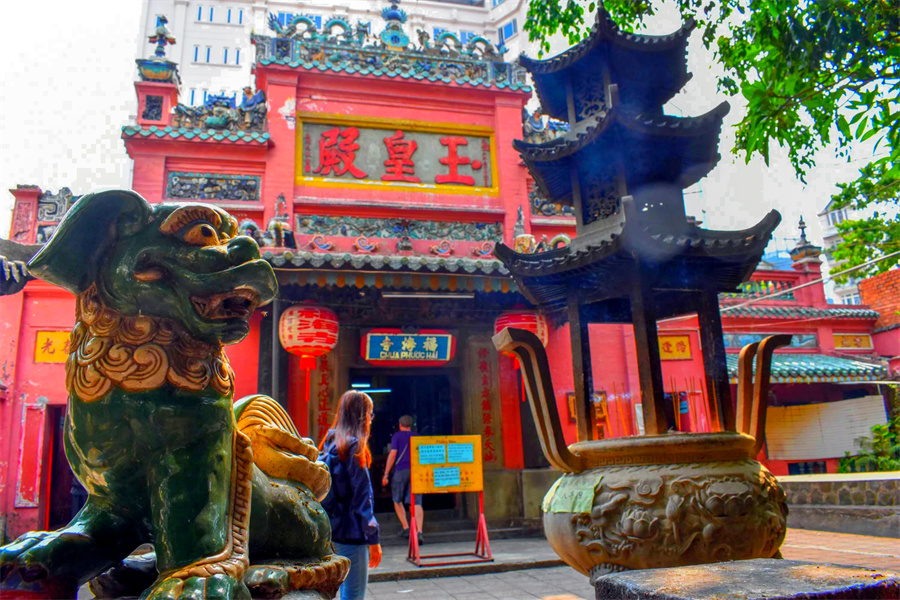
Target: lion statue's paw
215 587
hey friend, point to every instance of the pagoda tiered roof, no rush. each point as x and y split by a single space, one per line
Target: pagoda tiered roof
653 148
649 69
597 267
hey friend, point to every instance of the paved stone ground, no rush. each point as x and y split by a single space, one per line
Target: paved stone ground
563 583
843 549
554 583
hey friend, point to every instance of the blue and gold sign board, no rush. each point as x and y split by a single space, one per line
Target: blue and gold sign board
393 347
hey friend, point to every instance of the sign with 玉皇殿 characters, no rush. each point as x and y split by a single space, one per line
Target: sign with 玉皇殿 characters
373 152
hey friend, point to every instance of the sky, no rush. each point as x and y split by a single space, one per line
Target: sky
68 72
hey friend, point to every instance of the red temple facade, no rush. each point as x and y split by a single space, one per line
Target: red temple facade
377 180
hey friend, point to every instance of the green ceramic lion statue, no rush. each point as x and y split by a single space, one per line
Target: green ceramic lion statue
227 493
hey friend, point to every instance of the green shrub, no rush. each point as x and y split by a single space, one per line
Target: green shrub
881 452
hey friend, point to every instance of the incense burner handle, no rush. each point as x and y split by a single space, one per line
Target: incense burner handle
753 392
539 386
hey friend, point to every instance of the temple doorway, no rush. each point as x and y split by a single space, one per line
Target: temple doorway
430 396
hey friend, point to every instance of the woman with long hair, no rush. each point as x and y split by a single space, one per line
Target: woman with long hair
350 502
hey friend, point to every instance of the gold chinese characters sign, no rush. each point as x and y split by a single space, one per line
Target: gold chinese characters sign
375 153
852 341
426 348
51 346
445 464
675 347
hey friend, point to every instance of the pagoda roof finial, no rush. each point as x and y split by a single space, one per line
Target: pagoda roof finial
161 37
805 251
394 12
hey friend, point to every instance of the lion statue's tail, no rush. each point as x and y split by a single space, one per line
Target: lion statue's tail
278 449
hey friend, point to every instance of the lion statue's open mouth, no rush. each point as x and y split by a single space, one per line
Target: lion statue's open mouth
236 304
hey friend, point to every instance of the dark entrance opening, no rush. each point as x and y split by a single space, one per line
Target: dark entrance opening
66 494
430 396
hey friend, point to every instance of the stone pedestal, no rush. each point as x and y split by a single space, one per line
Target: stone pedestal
768 579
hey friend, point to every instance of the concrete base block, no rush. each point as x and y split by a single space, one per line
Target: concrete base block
759 579
879 521
535 483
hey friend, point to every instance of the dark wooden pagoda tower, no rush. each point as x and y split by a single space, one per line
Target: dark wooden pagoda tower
623 166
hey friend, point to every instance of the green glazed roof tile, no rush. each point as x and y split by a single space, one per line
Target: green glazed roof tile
764 312
131 131
812 368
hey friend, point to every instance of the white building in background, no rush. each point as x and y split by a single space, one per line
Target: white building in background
213 47
843 293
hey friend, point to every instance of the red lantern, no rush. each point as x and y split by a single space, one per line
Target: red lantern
309 332
528 320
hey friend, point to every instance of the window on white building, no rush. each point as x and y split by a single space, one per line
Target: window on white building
497 2
200 13
508 30
241 17
196 53
210 14
285 18
465 36
192 96
208 52
438 31
852 299
237 56
225 56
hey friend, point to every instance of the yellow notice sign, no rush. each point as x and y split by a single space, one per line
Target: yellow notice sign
51 346
445 464
674 347
852 341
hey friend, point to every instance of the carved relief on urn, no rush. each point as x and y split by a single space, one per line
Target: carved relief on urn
651 516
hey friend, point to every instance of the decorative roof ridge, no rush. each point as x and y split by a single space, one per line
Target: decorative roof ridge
762 229
586 131
390 262
195 135
655 122
394 73
606 30
737 311
580 134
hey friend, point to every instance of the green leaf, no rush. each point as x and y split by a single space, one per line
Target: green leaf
843 126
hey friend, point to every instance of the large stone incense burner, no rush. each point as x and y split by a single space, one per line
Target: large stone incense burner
666 498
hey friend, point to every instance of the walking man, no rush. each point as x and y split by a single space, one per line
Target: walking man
400 486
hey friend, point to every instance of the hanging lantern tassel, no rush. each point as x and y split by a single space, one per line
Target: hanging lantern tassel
308 363
529 320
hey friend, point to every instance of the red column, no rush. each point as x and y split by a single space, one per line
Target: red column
149 178
511 172
281 90
511 407
298 395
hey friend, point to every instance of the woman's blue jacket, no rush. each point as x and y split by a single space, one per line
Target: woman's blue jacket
350 501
